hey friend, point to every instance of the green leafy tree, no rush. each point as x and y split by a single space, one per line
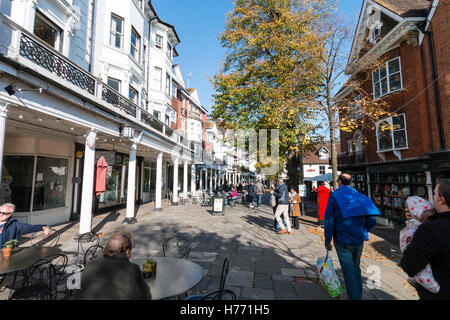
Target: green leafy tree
268 78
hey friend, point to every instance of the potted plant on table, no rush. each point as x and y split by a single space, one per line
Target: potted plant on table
8 246
149 268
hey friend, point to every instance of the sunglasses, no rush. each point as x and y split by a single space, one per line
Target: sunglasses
5 213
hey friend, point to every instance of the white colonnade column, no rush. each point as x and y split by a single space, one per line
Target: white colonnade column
175 182
3 114
88 184
185 177
193 179
158 186
131 190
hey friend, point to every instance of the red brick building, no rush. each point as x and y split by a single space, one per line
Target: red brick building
406 153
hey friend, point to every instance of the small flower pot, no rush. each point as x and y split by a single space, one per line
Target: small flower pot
7 252
149 271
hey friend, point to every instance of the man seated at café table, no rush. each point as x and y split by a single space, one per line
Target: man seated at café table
114 277
11 229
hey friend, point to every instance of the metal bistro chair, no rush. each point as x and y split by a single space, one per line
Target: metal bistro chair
94 252
177 247
85 241
221 292
42 278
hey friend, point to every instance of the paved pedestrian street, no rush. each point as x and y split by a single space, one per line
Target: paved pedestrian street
263 265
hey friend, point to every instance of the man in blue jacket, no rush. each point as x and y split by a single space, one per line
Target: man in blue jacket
11 229
282 195
349 217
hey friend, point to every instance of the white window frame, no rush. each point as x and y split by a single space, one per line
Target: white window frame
114 32
324 170
58 37
118 81
136 98
159 45
388 75
167 86
169 51
355 111
174 86
350 146
390 120
137 48
158 81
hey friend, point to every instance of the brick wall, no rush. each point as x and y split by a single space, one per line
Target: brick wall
416 99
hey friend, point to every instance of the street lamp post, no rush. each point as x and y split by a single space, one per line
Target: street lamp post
301 138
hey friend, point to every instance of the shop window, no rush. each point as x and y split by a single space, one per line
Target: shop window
50 183
387 79
391 133
47 31
17 180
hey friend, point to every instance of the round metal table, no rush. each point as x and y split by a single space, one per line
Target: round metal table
173 276
22 258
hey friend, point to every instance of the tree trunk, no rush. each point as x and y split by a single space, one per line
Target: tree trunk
293 170
334 163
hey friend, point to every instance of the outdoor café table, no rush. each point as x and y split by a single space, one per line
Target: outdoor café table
173 276
22 258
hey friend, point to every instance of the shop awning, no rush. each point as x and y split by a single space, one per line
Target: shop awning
324 177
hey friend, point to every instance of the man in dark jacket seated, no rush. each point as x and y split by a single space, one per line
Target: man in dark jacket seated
114 277
431 244
11 229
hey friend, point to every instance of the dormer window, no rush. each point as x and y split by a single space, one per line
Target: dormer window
159 42
375 32
323 154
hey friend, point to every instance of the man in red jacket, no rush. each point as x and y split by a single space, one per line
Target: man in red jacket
431 244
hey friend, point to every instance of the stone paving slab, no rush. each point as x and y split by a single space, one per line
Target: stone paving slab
240 278
257 294
263 265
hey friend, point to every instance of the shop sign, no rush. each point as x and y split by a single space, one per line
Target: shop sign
302 190
441 165
400 168
110 157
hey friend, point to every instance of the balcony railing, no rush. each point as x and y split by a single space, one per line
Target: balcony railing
25 44
50 59
354 158
116 99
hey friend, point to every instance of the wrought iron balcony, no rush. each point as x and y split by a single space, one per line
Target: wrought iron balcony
25 48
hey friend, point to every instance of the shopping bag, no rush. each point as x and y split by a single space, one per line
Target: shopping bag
328 277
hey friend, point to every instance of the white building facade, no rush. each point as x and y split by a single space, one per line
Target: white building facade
78 82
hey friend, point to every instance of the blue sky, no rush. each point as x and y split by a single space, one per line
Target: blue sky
199 24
